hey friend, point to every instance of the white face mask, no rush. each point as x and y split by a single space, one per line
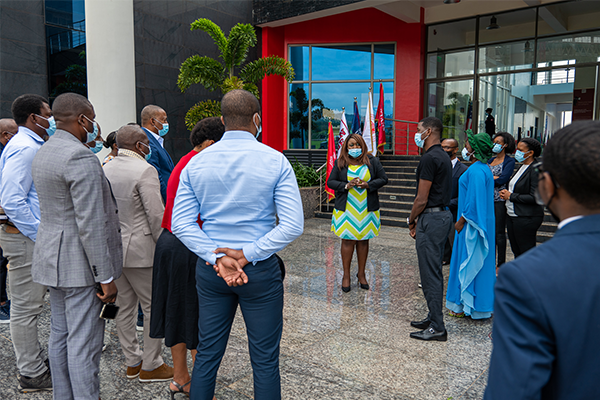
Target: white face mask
258 129
466 155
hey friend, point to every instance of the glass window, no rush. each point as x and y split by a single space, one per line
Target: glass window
69 14
450 102
571 16
506 56
341 63
384 61
451 35
581 47
300 62
331 86
511 25
440 65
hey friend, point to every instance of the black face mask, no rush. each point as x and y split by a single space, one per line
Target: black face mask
538 200
450 153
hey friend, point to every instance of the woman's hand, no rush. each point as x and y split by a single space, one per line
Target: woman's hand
363 184
353 182
505 194
460 224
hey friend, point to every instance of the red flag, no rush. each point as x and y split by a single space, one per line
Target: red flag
380 122
330 161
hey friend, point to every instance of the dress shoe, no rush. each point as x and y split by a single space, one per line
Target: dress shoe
346 289
430 334
134 372
424 324
160 374
364 286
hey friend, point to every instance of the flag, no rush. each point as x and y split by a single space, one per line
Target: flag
343 132
369 127
380 122
469 123
330 161
356 120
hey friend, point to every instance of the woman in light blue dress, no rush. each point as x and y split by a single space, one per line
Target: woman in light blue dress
472 268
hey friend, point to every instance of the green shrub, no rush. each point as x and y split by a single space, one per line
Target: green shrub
307 175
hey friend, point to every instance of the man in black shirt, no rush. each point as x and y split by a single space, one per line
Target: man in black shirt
490 123
430 223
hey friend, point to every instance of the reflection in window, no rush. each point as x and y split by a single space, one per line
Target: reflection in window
339 75
449 101
506 57
451 35
441 65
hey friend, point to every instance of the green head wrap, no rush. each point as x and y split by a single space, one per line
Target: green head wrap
481 144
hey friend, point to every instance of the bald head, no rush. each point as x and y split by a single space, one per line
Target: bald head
8 128
450 146
129 135
149 112
69 106
238 108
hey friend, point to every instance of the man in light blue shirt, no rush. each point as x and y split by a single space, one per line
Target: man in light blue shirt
19 200
238 186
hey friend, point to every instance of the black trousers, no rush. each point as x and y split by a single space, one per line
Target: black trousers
500 211
522 232
432 232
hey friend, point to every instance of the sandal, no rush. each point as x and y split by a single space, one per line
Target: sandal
179 389
456 315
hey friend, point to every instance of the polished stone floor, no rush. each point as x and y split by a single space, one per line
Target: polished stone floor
335 345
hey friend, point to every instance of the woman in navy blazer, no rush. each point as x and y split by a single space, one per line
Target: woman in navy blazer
502 167
524 215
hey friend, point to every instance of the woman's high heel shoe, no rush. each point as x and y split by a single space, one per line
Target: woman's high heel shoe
179 389
364 286
346 289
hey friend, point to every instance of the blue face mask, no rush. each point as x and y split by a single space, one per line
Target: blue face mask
520 156
419 141
465 154
354 153
98 147
51 125
147 156
497 148
91 136
164 130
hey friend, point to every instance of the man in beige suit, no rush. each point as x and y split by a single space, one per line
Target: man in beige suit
136 187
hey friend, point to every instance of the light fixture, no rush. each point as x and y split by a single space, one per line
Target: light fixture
451 1
527 47
493 24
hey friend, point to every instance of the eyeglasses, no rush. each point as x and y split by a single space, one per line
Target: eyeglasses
10 133
538 167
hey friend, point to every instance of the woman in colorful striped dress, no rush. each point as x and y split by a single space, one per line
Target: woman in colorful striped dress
355 178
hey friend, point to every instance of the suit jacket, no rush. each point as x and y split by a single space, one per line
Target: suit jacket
523 195
339 177
457 172
161 160
136 187
547 319
78 241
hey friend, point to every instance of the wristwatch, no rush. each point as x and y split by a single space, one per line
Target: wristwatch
408 220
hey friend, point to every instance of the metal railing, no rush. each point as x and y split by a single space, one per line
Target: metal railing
401 138
324 205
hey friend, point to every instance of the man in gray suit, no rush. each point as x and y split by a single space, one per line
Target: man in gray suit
78 247
136 187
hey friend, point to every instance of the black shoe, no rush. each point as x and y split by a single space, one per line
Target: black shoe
346 289
424 324
42 382
430 334
363 285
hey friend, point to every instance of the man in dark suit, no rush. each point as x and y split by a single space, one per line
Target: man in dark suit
490 123
450 146
547 307
155 125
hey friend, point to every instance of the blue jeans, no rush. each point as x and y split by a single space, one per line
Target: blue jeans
261 303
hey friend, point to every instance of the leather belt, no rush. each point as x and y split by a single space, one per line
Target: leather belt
434 209
11 229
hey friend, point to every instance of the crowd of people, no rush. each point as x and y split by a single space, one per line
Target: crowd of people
181 246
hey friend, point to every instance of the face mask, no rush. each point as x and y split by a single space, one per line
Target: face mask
258 129
147 156
520 156
450 153
465 154
91 136
164 130
355 152
418 140
497 148
98 147
51 125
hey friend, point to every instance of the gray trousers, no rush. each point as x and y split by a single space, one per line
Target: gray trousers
27 302
76 338
432 232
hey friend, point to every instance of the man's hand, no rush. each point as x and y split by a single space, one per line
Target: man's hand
460 224
413 230
110 292
237 254
230 270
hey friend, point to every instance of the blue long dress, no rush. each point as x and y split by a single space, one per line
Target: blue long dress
472 268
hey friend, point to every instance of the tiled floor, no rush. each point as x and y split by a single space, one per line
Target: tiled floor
335 345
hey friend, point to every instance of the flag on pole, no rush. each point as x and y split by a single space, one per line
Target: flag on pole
369 127
469 124
343 131
356 120
330 161
380 122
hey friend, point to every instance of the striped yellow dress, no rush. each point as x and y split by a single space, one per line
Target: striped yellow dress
356 223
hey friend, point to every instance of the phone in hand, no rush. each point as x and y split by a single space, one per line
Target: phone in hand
109 311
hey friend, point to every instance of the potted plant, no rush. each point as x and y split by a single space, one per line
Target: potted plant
308 181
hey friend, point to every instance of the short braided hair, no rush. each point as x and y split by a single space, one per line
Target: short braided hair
572 158
534 145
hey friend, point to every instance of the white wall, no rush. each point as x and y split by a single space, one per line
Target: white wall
110 54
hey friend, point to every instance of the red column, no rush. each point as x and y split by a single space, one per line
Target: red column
274 89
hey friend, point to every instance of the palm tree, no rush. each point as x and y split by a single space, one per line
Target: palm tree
219 74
